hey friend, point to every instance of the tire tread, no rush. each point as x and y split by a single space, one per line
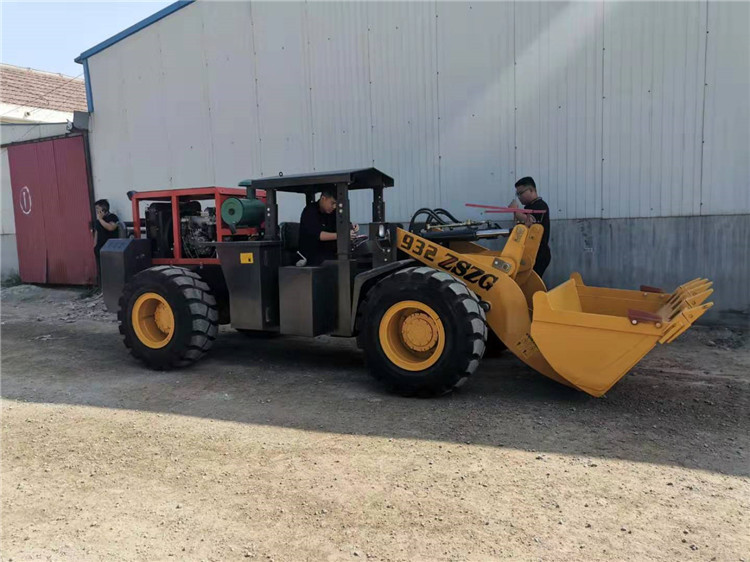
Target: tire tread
203 318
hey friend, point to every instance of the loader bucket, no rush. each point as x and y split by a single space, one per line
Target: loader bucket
593 336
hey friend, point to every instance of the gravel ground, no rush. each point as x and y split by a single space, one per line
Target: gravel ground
284 449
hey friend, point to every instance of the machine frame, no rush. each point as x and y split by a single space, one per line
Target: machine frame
175 196
341 182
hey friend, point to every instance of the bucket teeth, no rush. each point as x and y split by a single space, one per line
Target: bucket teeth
684 306
699 299
687 318
688 289
688 295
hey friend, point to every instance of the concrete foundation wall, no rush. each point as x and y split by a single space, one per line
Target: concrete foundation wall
8 255
661 252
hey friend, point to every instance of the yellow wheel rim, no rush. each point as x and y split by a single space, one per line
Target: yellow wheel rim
412 335
153 320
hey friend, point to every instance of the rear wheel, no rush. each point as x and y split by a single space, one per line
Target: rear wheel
168 317
422 331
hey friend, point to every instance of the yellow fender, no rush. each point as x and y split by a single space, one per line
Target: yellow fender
490 276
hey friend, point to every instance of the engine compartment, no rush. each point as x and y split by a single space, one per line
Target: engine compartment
197 228
194 216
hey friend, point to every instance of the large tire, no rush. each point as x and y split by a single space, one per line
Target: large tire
175 321
401 361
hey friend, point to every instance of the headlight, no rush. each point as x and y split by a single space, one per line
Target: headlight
381 231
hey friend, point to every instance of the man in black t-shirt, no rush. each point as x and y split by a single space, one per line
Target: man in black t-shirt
527 195
317 230
105 227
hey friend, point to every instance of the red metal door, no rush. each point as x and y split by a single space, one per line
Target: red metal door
28 213
52 209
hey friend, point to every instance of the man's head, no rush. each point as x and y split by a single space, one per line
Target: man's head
327 201
526 190
102 205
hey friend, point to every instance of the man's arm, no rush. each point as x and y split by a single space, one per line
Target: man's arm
102 215
537 205
108 225
520 217
329 236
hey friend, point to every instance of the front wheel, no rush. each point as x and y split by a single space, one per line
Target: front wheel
422 331
168 317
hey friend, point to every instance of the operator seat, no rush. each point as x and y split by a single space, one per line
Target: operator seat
289 232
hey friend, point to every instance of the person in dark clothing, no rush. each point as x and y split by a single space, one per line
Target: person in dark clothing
105 227
528 196
317 230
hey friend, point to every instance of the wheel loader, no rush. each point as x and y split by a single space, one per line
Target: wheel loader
421 300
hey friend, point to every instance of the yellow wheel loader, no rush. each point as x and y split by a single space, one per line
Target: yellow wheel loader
422 301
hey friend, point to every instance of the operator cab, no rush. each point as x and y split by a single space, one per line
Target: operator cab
304 295
363 250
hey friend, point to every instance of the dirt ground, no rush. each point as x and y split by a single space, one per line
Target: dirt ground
284 449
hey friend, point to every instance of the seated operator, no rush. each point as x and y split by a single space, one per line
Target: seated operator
317 230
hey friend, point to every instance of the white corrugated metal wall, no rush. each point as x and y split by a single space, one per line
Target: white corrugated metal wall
725 186
559 101
618 109
653 92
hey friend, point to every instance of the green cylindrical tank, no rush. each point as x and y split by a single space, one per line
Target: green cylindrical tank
238 211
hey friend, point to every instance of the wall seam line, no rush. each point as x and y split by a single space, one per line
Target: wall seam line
703 116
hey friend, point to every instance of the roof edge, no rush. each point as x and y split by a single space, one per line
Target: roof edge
164 12
39 71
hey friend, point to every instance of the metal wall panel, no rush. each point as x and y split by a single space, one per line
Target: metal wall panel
111 144
147 160
726 156
145 87
337 71
403 70
283 94
475 62
232 99
558 100
608 117
185 102
653 96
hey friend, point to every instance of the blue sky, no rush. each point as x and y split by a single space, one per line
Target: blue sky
49 35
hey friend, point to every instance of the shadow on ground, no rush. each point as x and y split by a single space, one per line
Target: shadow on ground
681 417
